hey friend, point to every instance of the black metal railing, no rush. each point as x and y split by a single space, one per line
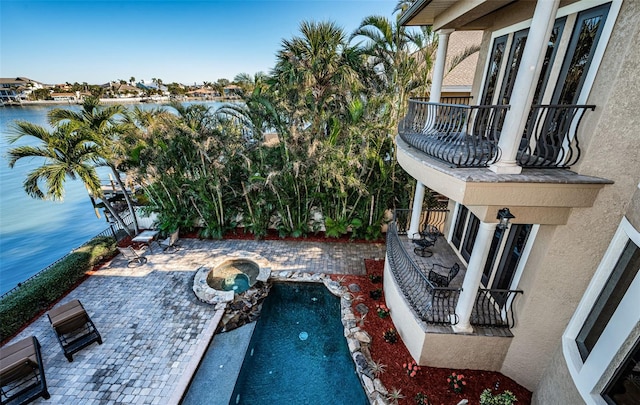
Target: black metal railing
461 100
465 136
434 305
435 216
550 138
494 308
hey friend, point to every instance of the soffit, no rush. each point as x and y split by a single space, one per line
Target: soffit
454 14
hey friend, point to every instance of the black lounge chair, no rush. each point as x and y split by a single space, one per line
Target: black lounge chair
428 238
443 281
73 327
22 372
132 256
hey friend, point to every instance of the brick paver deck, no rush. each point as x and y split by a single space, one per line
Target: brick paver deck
154 329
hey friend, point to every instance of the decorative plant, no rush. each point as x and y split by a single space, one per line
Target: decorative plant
382 310
506 398
395 395
390 335
377 368
456 382
358 298
341 279
360 320
375 278
422 399
376 294
411 368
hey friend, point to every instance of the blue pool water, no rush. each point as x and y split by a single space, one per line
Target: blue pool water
297 354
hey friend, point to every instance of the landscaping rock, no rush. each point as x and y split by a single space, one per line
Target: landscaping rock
354 287
362 308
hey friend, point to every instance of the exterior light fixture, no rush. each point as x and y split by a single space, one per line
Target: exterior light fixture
504 215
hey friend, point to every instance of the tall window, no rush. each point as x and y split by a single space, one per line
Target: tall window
614 290
470 236
513 63
458 231
549 57
624 389
495 62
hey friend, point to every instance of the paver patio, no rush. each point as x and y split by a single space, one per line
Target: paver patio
153 327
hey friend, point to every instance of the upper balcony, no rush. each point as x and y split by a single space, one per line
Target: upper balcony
468 136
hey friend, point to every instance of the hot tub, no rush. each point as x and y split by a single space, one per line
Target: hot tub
236 275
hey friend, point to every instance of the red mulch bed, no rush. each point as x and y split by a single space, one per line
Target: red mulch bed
431 381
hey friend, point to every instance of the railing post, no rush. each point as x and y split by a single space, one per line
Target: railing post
473 276
525 86
438 68
416 213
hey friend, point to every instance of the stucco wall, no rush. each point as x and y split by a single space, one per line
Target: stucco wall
564 261
556 386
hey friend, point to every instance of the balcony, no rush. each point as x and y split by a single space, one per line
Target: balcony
467 136
493 312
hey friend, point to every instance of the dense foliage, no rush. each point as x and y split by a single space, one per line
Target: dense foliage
37 294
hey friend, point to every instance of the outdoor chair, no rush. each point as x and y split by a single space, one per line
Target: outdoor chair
22 372
427 239
74 328
132 256
169 245
438 279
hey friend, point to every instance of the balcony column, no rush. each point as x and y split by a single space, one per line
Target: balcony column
473 276
438 68
525 86
416 213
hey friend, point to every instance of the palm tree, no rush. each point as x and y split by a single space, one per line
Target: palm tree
68 153
102 124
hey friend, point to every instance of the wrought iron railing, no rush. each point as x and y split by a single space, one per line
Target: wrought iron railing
550 139
465 136
434 305
435 216
462 100
494 308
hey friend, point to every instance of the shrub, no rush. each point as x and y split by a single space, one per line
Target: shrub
382 310
375 279
411 368
390 335
422 399
506 398
456 382
375 294
35 295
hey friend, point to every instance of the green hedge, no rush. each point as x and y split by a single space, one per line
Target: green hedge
34 296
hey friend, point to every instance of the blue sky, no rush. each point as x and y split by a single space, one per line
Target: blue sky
183 41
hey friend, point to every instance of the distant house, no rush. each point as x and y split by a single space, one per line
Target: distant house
458 79
203 93
17 89
64 96
232 91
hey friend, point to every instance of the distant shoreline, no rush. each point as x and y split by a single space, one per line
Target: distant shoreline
132 100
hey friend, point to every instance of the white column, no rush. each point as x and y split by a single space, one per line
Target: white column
438 68
525 85
473 276
416 213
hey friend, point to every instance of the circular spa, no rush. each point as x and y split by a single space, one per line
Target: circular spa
235 275
219 281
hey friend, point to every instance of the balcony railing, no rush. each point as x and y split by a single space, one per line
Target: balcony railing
550 139
435 216
463 100
434 305
465 136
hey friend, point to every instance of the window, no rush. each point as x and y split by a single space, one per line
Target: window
624 389
470 236
494 69
614 290
549 57
513 63
459 228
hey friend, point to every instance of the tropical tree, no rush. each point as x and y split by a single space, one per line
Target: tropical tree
67 153
102 124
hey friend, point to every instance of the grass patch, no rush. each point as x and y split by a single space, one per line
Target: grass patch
37 294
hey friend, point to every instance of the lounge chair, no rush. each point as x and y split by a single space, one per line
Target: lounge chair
427 238
22 372
73 327
169 245
132 256
443 281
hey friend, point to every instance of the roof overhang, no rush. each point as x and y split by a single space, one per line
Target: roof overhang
455 14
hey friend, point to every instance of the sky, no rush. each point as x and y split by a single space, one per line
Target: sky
177 41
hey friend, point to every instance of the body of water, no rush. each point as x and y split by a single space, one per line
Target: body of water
35 233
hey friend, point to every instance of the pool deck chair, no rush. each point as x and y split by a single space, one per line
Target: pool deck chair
169 245
73 327
22 372
133 257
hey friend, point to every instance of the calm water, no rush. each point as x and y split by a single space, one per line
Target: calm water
35 233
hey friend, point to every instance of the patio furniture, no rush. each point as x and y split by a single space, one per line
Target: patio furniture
428 237
74 328
443 281
146 237
132 256
22 372
169 245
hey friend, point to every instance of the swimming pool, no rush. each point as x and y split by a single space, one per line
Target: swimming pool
297 353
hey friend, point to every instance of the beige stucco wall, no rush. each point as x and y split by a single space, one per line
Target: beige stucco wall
556 387
564 259
439 349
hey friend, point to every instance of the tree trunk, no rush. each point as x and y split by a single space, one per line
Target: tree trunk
117 216
127 198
